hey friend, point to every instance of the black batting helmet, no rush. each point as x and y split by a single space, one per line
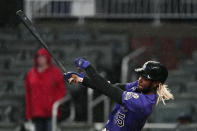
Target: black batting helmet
154 71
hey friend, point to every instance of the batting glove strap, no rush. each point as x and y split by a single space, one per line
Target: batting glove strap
69 74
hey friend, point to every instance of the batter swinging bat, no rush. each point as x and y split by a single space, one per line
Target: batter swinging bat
28 23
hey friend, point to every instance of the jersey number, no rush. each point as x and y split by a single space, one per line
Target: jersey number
120 119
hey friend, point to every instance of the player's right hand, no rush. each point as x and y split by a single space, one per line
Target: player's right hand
73 77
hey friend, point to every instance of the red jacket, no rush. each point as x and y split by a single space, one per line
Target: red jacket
43 89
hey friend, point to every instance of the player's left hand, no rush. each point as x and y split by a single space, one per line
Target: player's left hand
81 63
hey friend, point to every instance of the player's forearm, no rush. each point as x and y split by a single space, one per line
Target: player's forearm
116 85
95 81
119 85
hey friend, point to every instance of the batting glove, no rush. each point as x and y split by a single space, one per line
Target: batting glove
81 63
73 77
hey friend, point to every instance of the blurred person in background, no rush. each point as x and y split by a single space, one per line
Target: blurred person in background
184 118
44 85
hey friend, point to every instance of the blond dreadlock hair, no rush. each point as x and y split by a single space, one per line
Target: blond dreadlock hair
163 93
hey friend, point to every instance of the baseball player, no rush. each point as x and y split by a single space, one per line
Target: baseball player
135 100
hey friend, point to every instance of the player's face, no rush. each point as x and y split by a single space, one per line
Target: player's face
144 85
42 60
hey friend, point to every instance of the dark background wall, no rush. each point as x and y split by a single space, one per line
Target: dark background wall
8 10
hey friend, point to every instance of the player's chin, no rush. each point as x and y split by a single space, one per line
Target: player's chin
139 88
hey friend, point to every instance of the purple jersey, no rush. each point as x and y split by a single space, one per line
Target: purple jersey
132 115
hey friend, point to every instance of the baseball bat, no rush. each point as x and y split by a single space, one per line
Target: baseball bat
29 25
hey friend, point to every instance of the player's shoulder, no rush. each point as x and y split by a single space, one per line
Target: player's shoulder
139 98
135 83
137 102
131 86
130 96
